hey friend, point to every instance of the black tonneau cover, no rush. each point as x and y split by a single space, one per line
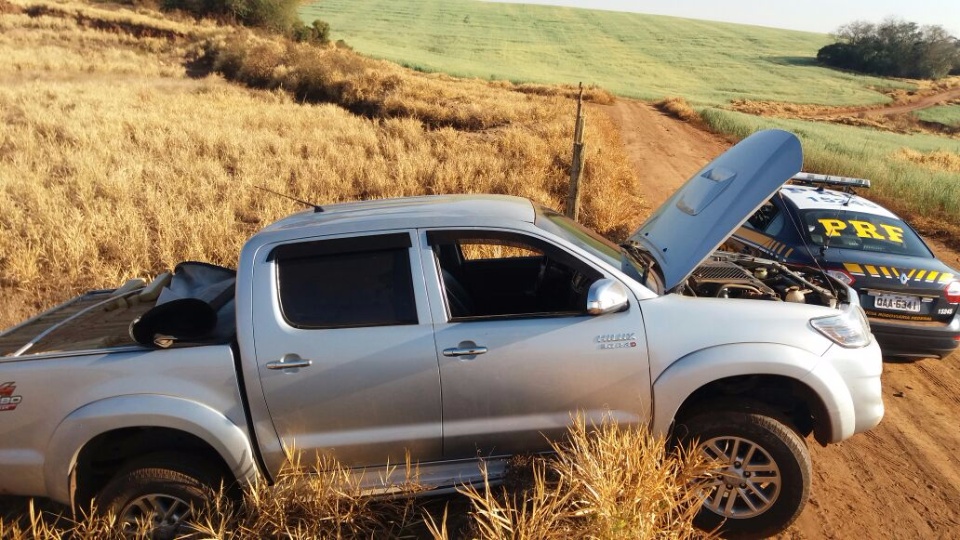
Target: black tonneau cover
194 305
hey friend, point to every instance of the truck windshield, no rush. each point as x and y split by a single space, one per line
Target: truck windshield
579 236
594 244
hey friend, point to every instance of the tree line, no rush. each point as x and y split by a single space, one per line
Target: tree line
894 48
278 16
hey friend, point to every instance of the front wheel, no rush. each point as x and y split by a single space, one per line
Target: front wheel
159 492
765 473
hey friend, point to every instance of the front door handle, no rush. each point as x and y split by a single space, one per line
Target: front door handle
289 361
466 348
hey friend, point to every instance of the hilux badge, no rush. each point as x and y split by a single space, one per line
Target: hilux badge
617 341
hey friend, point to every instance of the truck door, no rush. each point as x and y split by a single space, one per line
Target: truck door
519 355
345 349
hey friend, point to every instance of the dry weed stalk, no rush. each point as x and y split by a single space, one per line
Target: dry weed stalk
542 511
605 482
938 160
324 501
634 485
40 524
680 109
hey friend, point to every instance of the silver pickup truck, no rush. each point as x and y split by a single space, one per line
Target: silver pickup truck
454 329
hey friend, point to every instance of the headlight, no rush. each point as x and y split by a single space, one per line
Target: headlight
849 329
842 276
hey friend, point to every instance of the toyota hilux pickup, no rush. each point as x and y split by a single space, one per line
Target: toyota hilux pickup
452 330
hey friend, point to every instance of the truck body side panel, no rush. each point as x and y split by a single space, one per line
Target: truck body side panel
52 388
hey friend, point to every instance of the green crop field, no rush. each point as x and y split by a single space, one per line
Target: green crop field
948 115
651 57
644 56
909 172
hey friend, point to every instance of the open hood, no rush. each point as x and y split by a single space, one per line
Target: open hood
713 203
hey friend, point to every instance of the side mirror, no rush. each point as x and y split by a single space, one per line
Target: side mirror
607 296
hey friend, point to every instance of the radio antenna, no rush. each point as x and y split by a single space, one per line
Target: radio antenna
316 207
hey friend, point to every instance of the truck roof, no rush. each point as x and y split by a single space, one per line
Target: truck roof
412 212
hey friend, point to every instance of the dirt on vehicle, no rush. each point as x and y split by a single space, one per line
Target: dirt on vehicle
900 480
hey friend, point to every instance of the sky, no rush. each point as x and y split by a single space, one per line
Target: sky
823 16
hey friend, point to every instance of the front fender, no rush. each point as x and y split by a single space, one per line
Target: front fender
694 371
149 410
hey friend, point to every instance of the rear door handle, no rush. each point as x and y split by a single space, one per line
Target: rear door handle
289 361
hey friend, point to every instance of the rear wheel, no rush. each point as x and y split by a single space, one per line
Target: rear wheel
160 492
764 481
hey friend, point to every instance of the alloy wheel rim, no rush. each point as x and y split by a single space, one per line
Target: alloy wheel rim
748 483
164 515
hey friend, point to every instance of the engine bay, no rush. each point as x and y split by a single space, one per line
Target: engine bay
731 275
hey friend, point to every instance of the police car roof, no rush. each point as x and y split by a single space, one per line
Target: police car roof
819 198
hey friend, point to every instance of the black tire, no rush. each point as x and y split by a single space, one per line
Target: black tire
162 489
756 499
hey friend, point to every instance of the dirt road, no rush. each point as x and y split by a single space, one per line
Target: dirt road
915 105
664 151
900 480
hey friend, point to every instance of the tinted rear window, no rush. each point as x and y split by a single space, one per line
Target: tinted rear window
358 287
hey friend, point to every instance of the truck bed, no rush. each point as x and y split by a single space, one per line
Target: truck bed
92 326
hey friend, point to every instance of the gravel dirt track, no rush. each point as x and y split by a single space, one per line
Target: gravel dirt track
900 480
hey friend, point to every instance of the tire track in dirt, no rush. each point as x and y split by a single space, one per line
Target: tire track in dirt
664 151
900 480
941 385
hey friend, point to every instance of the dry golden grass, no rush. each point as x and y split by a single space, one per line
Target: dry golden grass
306 505
903 123
69 36
606 482
37 524
115 164
851 116
886 118
937 161
298 505
380 89
680 109
785 110
591 93
924 87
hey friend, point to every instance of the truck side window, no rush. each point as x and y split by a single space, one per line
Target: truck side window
767 219
762 217
501 274
364 281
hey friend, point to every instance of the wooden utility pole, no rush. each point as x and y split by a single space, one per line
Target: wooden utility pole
576 168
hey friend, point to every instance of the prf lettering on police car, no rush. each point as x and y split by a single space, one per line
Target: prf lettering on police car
864 229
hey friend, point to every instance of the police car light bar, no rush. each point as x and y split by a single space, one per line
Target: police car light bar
806 178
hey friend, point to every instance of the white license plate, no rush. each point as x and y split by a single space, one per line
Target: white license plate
897 302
